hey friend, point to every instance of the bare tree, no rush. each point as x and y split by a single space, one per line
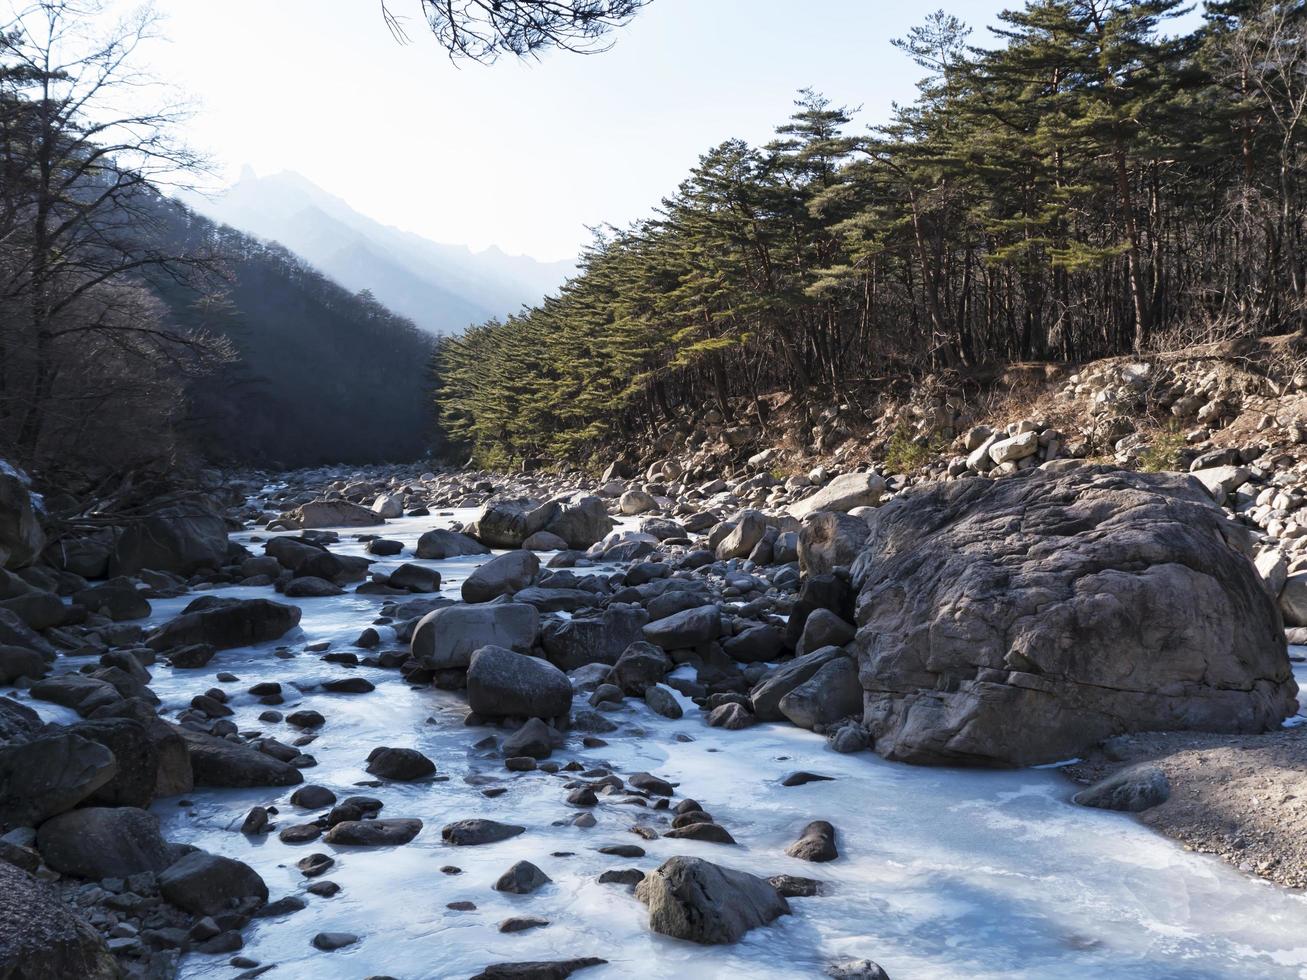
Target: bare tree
482 30
83 158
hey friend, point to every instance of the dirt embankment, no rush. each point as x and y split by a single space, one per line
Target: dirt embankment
1240 797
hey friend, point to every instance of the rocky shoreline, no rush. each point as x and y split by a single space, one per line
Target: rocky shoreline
1017 610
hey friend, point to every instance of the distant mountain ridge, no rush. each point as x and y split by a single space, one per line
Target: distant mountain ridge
442 288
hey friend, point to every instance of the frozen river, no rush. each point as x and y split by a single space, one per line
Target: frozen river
943 873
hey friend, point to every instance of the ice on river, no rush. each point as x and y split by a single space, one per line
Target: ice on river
943 873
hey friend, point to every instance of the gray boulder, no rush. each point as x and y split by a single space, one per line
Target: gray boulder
441 543
505 522
181 538
218 762
746 534
21 537
688 628
1133 789
104 842
501 575
49 775
765 698
227 623
1021 621
207 884
701 902
446 638
592 639
830 540
502 682
40 939
842 494
582 523
330 513
827 696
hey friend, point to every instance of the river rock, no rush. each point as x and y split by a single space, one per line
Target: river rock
641 666
21 536
742 539
41 940
1020 621
227 623
843 494
538 969
830 540
374 833
1133 789
104 842
47 775
467 833
441 543
505 522
218 762
766 696
16 662
447 637
832 693
582 523
688 628
594 638
331 513
502 682
501 575
181 538
17 721
693 899
404 765
522 879
816 843
207 884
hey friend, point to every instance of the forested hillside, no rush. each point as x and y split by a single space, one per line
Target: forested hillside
135 335
320 374
1091 185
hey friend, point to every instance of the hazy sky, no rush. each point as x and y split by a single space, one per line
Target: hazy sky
519 154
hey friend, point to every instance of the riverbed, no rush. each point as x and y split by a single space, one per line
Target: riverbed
943 873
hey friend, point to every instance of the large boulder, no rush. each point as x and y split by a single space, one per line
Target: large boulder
501 575
227 623
843 494
181 538
505 522
748 531
693 899
767 694
582 523
48 775
441 543
207 884
104 842
687 628
598 638
827 696
1020 621
331 513
17 721
503 683
829 540
218 762
40 939
446 638
21 537
86 555
138 760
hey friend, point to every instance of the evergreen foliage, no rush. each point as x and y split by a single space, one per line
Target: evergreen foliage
1091 186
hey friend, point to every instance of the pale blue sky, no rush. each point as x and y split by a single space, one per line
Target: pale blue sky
522 155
